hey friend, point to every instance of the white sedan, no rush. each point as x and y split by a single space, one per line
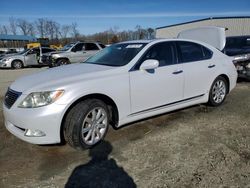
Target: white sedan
123 83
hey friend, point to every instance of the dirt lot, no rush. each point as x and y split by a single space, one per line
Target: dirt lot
195 147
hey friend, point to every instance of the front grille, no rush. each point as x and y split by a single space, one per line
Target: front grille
10 97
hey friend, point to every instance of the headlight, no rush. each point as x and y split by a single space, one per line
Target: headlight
239 58
55 55
38 99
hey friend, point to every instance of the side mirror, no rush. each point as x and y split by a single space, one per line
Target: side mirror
149 64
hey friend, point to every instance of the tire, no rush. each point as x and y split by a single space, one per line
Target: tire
17 64
62 62
86 124
218 91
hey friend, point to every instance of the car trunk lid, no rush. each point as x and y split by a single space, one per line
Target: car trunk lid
214 36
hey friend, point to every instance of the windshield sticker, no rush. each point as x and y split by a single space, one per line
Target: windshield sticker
134 46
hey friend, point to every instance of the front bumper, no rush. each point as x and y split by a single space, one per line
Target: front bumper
45 119
5 64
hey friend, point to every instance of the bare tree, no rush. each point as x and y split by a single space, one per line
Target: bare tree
74 31
31 29
67 33
40 27
24 26
13 25
4 29
150 32
49 29
65 29
56 29
140 32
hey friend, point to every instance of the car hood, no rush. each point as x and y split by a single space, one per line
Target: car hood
58 52
7 55
56 78
12 56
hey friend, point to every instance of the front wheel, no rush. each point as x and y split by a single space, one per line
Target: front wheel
86 124
17 64
218 91
62 62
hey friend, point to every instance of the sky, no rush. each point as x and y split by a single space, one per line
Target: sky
99 15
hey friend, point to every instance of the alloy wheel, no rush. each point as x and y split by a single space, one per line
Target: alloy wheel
94 126
219 91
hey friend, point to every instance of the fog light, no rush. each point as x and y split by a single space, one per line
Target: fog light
34 133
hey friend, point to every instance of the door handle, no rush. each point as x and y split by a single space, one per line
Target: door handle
178 72
211 66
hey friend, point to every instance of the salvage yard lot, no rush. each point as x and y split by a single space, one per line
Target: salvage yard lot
195 147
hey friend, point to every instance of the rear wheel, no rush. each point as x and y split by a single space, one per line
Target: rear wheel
218 91
86 124
17 64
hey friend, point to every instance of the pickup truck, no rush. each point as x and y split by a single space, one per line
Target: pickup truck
239 48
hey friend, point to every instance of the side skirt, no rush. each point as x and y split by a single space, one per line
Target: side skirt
166 105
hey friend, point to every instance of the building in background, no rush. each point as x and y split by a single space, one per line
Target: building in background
237 26
17 42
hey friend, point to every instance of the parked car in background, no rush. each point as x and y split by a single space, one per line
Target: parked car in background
9 51
74 53
237 45
122 83
28 57
239 48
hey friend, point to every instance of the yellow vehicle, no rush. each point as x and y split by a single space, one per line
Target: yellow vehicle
43 42
56 46
33 45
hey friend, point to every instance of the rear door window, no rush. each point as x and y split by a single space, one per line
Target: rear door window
91 46
189 51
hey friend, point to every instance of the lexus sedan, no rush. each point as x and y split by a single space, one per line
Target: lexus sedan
123 83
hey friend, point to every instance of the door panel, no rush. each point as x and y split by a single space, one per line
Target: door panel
77 52
198 68
31 59
87 54
160 86
197 78
79 56
156 88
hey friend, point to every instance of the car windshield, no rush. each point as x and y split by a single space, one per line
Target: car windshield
67 47
117 54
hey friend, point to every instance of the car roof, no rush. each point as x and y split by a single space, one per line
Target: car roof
160 40
137 41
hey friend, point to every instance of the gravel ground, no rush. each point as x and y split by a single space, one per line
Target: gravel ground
195 147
